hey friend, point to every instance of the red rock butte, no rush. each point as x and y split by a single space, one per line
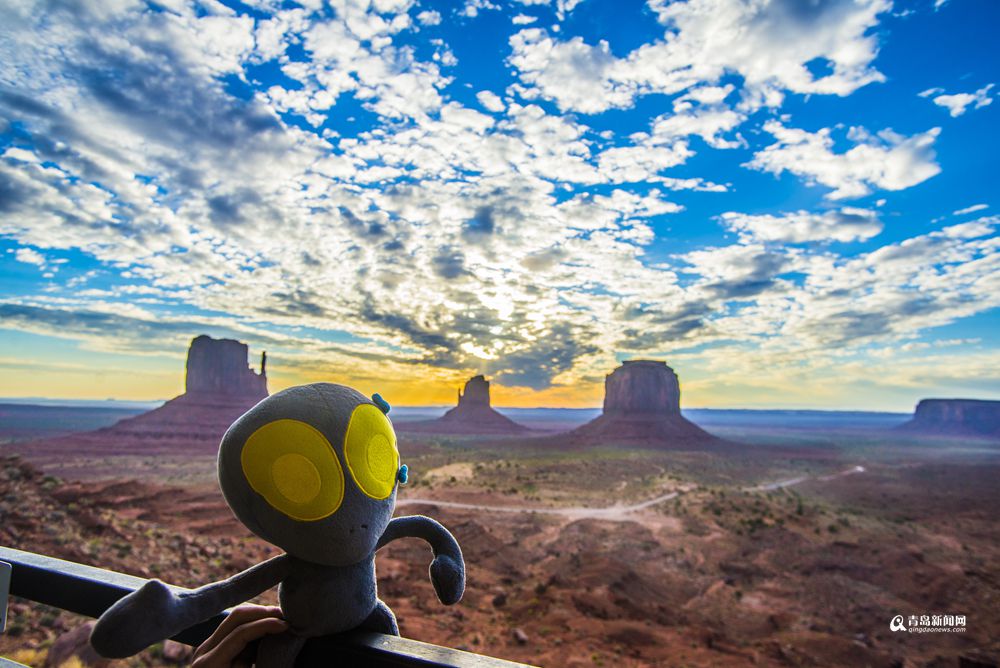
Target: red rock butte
957 417
219 387
472 415
218 368
642 406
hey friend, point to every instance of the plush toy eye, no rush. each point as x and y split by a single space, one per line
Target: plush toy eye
293 466
370 451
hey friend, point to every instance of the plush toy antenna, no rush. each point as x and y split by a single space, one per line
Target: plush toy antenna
382 404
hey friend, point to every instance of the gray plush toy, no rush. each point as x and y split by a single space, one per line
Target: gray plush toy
314 470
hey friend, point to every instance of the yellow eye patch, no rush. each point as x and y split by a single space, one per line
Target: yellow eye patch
370 451
293 466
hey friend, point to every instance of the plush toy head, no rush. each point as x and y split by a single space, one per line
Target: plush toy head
313 469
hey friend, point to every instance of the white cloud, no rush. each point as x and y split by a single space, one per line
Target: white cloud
700 112
634 164
737 263
970 209
354 53
429 17
888 160
959 103
844 304
698 184
30 256
578 76
770 45
472 8
491 101
15 153
523 19
564 7
847 224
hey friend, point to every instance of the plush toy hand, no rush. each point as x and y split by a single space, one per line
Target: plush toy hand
135 622
448 578
448 567
154 611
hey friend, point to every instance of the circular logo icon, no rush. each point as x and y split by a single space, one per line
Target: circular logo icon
897 624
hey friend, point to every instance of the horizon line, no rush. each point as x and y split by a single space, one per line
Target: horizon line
110 400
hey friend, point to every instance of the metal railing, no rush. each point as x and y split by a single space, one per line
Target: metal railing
90 591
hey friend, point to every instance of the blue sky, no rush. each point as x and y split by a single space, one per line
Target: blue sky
792 203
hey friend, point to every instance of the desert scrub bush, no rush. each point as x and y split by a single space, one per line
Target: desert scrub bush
29 657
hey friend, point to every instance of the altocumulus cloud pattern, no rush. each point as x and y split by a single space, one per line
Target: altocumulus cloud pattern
529 189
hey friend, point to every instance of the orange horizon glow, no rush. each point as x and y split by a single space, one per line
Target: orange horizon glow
154 386
99 375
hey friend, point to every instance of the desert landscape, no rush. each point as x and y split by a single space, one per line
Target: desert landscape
687 312
635 539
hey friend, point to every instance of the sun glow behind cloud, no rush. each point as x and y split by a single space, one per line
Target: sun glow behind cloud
375 200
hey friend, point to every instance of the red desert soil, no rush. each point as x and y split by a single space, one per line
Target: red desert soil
710 578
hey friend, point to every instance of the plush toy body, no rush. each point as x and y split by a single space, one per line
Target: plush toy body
314 470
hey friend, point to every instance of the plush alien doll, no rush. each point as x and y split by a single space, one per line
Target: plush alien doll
314 470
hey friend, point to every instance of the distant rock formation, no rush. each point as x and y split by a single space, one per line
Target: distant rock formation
475 397
218 367
220 387
958 417
472 415
642 388
642 405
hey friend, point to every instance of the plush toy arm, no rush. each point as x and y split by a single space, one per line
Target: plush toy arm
154 612
448 568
